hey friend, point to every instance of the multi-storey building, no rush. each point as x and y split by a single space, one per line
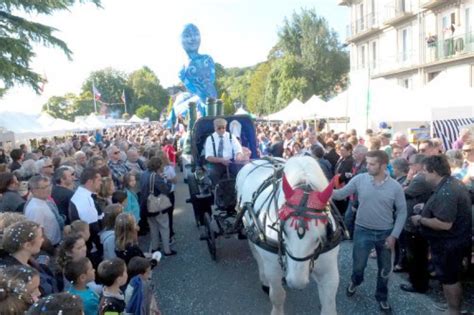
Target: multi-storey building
411 41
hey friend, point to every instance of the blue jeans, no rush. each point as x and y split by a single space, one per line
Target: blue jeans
349 218
364 241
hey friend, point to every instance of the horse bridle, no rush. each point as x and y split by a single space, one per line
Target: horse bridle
301 211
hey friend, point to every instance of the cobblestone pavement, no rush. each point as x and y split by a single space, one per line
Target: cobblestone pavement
191 283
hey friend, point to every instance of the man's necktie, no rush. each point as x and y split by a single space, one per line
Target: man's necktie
220 149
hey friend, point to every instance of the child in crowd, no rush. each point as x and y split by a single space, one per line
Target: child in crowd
13 297
133 207
113 274
120 197
26 275
79 273
139 296
126 237
72 248
55 304
107 236
104 197
78 227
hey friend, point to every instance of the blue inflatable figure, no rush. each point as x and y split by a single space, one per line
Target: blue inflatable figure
199 75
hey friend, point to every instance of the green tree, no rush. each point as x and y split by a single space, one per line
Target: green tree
18 34
110 83
228 104
316 47
148 111
256 91
146 89
61 106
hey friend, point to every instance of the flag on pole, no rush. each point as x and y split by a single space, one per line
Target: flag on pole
96 92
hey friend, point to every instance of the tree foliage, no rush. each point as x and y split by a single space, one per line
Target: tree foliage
146 89
18 34
148 111
307 59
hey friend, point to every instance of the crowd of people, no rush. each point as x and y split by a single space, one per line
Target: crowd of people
397 198
72 210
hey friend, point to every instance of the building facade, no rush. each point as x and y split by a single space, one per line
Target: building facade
411 41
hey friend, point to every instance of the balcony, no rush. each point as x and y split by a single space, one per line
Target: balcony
362 28
344 2
398 11
455 47
431 4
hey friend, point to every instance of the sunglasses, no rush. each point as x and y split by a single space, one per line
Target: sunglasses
220 127
116 152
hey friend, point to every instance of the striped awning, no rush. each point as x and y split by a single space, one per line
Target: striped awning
448 129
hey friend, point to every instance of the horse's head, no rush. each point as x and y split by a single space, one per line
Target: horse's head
303 218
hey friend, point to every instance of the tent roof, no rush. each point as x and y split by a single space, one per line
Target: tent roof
291 112
136 119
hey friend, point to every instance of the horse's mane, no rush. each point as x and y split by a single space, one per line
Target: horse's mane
305 170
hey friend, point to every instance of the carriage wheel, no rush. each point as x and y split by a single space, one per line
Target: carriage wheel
193 191
211 236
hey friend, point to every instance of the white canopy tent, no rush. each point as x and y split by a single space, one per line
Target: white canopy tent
294 111
445 98
136 120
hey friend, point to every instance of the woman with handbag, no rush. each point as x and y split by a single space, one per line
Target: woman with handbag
154 188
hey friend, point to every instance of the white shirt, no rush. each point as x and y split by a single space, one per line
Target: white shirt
170 174
227 152
85 206
38 211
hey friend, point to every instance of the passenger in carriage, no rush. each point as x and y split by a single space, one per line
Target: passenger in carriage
221 149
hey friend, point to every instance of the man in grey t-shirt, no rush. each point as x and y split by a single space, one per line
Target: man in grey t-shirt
376 226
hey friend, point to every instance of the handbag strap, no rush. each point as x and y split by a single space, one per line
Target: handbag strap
152 183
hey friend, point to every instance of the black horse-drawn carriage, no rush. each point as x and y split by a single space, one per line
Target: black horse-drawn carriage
214 206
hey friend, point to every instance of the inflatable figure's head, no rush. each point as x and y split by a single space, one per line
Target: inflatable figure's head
191 38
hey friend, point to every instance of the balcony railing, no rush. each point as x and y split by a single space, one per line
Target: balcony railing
363 26
398 11
442 49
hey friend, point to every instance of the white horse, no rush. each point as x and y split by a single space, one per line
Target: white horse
298 231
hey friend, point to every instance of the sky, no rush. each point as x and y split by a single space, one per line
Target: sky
129 34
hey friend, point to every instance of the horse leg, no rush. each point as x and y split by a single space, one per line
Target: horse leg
273 274
326 275
261 272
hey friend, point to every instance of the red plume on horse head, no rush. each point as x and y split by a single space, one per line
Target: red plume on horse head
287 189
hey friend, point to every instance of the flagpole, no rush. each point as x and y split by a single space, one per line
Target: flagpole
124 101
93 97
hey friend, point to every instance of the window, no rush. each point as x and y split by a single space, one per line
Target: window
468 23
362 17
404 44
406 83
374 55
362 57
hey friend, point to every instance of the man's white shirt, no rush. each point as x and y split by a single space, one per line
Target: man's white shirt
228 145
38 211
85 206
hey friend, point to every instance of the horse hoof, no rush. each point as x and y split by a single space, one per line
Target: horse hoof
266 289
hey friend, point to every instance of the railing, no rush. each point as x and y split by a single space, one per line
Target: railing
366 23
396 9
455 46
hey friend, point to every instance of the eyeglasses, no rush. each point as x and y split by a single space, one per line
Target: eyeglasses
43 187
220 127
116 152
47 166
467 151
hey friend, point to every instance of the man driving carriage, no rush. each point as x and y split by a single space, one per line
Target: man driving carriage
220 150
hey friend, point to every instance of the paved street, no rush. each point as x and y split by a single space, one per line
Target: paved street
191 283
